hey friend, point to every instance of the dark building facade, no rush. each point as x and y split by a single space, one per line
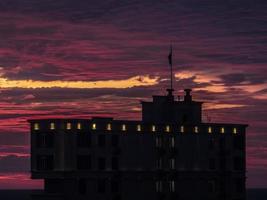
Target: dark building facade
169 154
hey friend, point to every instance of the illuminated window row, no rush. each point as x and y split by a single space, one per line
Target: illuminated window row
52 126
167 129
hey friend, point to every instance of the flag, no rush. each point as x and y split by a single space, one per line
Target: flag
170 56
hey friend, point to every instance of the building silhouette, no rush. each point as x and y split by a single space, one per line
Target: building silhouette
169 154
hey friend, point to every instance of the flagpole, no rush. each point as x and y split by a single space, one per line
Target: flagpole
171 70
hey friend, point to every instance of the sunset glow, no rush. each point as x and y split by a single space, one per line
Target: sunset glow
127 83
80 59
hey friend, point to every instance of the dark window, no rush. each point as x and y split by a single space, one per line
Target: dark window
45 140
45 162
83 139
222 143
211 143
115 163
238 163
82 186
115 140
83 162
114 186
116 197
101 140
101 186
184 118
239 185
222 163
101 163
212 164
238 142
211 186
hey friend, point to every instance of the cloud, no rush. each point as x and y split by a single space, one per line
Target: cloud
13 163
88 58
127 83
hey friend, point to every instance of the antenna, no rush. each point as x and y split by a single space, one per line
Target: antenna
171 78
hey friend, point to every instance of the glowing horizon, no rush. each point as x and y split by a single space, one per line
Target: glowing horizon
135 81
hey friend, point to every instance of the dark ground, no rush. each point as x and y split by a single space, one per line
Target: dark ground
252 194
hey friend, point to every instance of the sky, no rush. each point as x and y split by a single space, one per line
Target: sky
87 58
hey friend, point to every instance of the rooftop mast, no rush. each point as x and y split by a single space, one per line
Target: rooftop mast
170 90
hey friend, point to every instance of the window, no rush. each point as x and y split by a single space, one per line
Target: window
172 142
68 126
115 163
109 127
172 163
36 126
45 140
238 142
196 129
212 164
222 143
159 163
83 162
101 140
167 128
158 186
211 186
158 142
172 186
209 129
101 186
79 126
115 140
114 186
45 162
238 163
139 128
83 140
101 163
222 130
239 185
52 126
234 130
123 127
94 126
82 186
153 128
182 129
211 144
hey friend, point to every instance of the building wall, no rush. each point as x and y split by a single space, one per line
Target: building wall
206 165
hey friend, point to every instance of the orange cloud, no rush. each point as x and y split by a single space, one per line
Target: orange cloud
116 84
211 106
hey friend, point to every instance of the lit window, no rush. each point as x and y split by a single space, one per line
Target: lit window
172 163
79 126
139 127
222 130
167 128
52 126
68 126
234 131
182 129
153 128
209 130
109 127
172 142
159 186
94 126
172 186
36 126
196 129
123 127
